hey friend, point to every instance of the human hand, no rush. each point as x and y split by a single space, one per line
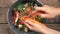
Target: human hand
51 11
36 26
39 27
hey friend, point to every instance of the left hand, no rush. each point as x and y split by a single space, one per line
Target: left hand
37 26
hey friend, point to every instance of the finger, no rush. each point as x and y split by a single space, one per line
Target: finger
30 27
44 8
40 8
44 15
29 22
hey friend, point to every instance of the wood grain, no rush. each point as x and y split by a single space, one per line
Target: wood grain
4 29
54 3
3 15
54 26
6 4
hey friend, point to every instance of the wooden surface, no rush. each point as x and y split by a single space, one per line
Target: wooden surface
4 7
4 28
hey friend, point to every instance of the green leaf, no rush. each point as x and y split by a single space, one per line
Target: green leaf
38 18
20 7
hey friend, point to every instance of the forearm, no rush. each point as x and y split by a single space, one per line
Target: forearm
58 9
50 31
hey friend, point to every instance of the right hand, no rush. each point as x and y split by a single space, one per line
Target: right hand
51 11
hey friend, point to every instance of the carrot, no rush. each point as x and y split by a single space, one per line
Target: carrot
33 21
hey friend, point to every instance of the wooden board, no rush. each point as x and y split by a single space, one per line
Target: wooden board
8 3
4 29
54 26
3 15
54 3
5 3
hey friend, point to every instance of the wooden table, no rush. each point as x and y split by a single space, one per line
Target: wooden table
4 7
4 28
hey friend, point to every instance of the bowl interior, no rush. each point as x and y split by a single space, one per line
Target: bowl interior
10 15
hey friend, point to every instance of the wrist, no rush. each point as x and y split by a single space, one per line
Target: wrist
58 9
50 31
44 30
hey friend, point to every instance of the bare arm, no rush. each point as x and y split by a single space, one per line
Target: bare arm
59 10
39 27
51 11
50 31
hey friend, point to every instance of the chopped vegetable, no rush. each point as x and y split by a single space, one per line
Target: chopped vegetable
20 25
22 13
15 16
20 7
28 9
26 13
25 29
38 18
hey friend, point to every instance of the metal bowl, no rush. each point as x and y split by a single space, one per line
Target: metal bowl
9 15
